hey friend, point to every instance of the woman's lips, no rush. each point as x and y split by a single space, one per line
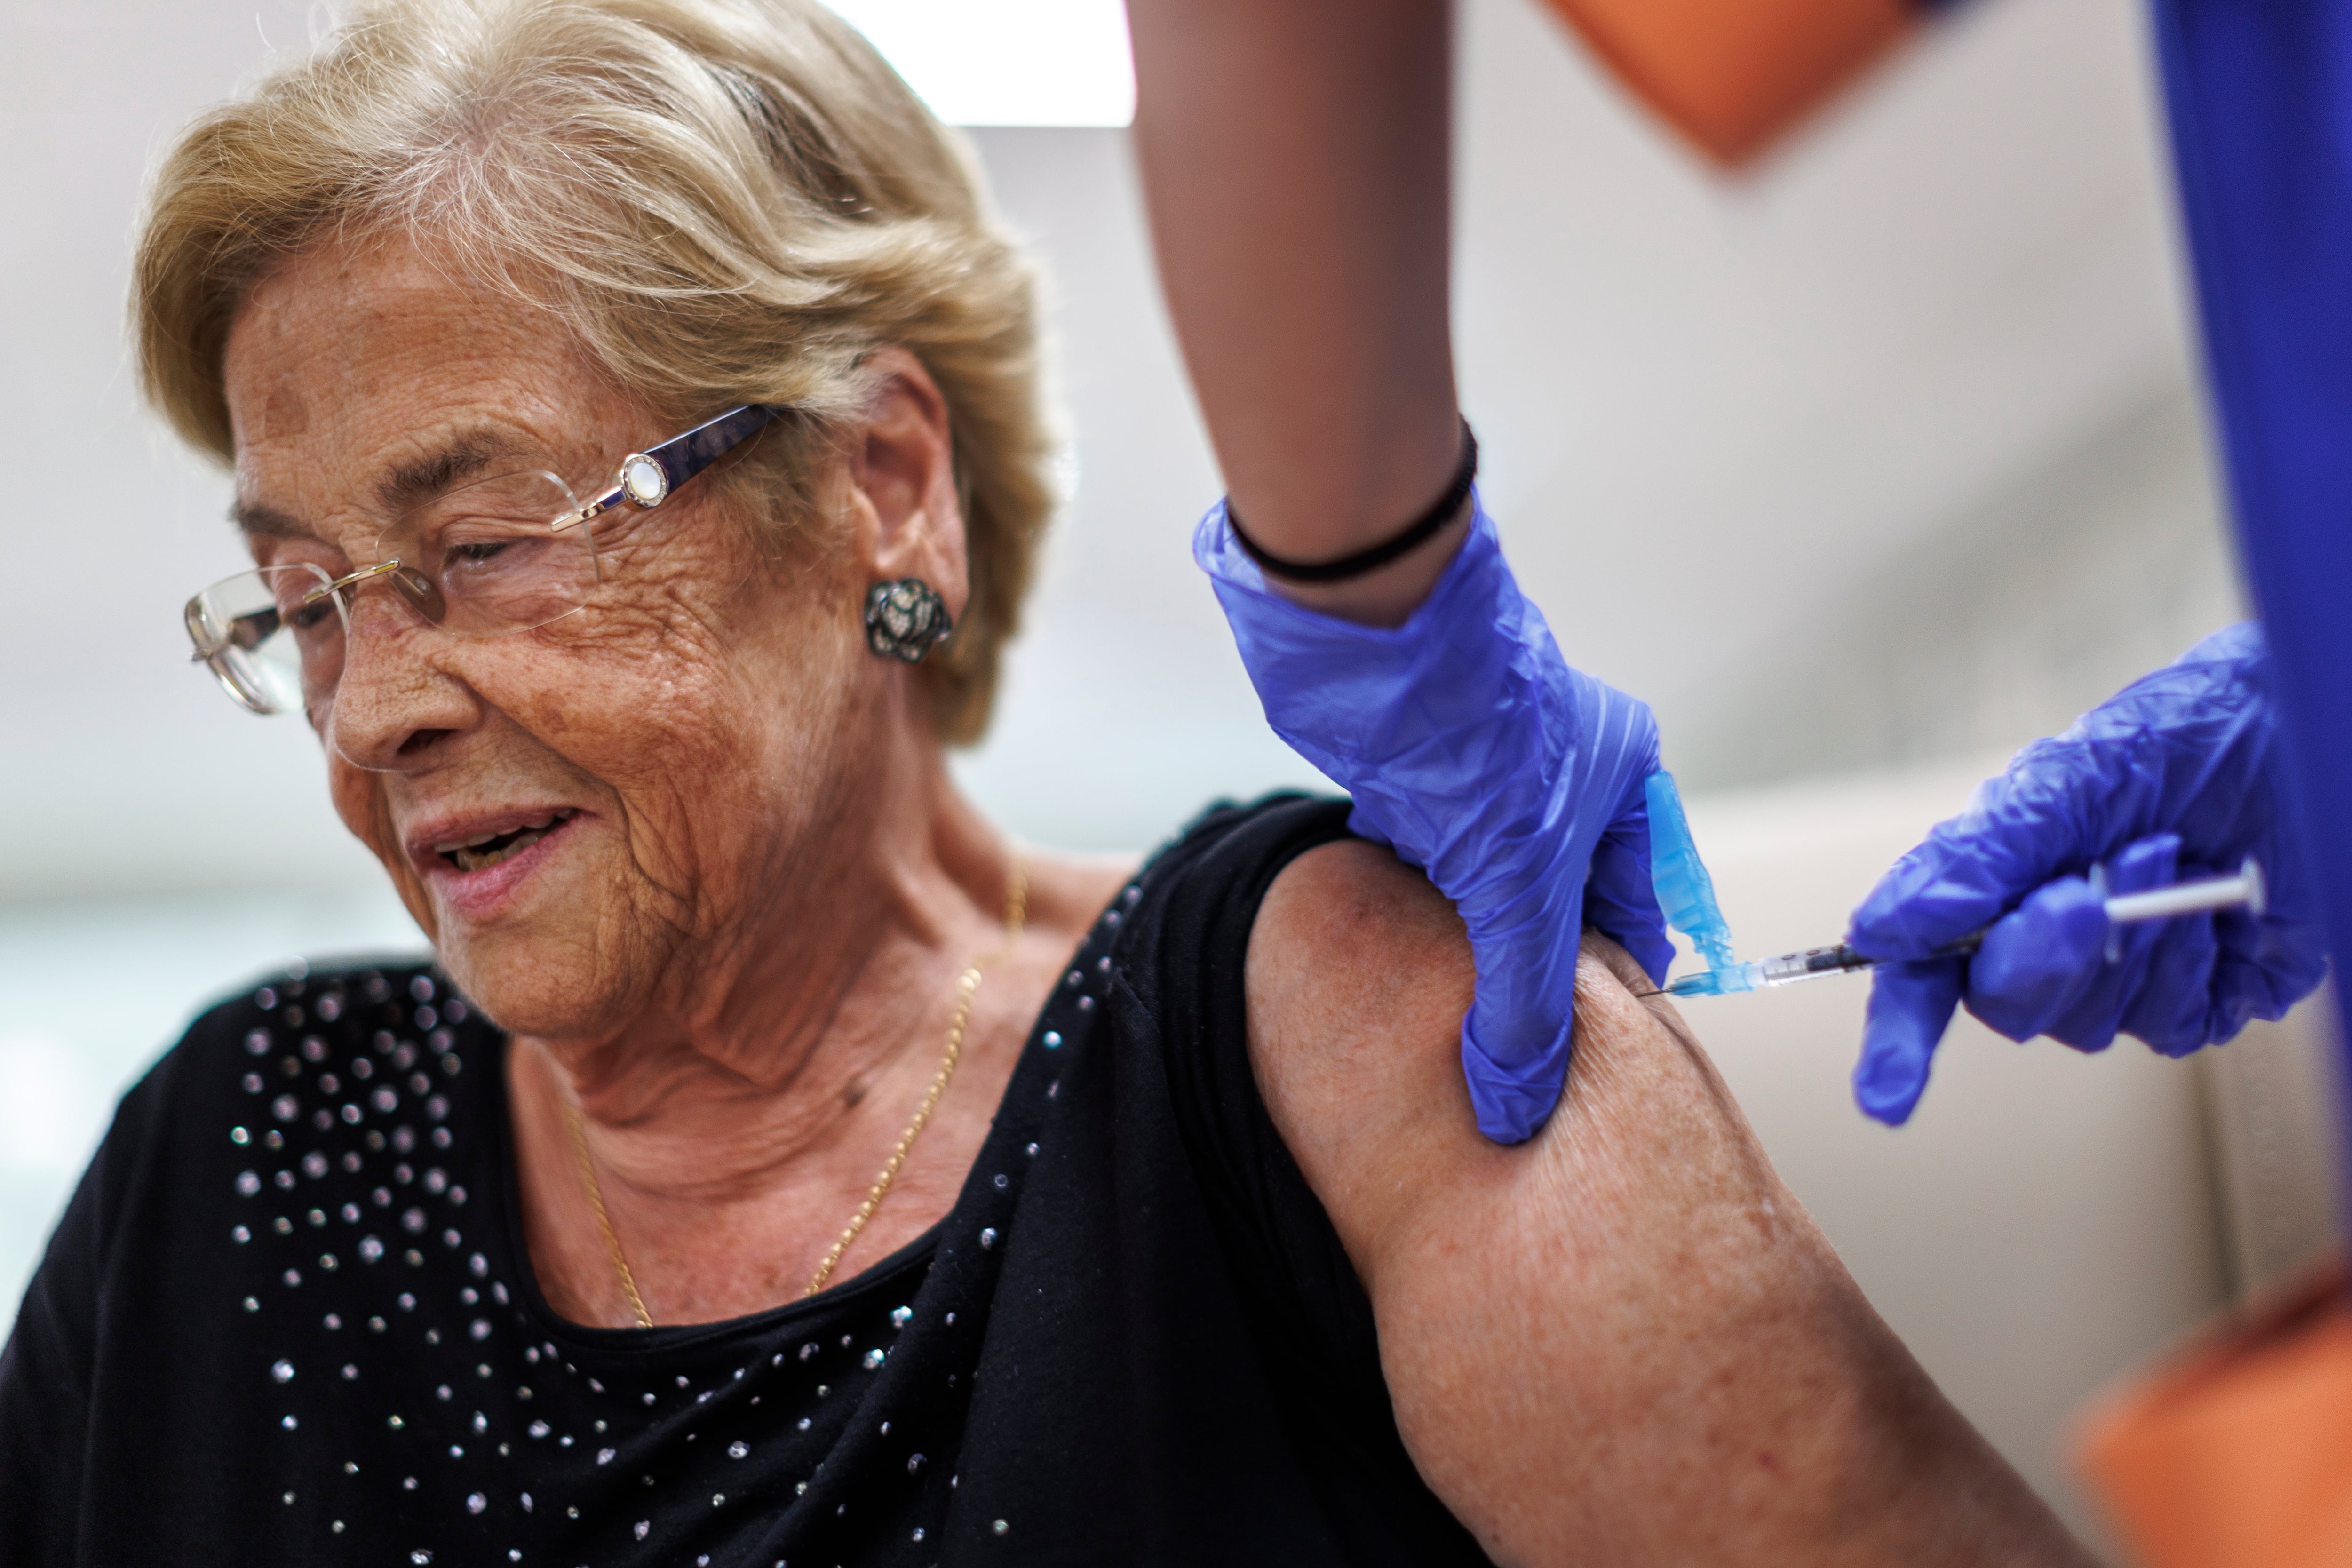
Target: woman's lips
476 874
484 850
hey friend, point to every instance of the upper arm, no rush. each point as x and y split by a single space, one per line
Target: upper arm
1623 1338
1359 975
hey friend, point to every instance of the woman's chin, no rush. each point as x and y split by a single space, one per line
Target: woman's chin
525 938
547 985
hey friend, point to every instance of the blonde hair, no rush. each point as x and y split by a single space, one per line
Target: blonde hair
728 201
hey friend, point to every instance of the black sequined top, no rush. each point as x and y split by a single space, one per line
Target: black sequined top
289 1318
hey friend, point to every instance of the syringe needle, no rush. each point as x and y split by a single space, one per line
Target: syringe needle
2246 889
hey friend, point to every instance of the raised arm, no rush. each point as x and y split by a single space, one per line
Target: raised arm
1295 153
1623 1340
1294 156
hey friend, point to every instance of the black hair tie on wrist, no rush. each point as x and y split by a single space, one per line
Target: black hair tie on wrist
1413 536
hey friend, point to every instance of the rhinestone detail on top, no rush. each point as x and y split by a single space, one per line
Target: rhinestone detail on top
510 1457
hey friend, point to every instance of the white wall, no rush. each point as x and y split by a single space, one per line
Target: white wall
1715 408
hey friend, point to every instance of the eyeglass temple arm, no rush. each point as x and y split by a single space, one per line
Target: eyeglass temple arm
683 457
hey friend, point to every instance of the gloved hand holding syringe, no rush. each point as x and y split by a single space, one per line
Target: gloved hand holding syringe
2077 895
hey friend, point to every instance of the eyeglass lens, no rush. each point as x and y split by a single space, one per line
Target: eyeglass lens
267 634
483 559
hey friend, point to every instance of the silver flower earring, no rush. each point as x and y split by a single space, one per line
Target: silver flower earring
905 619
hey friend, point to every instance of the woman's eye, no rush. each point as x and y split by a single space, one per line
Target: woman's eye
306 616
474 554
250 631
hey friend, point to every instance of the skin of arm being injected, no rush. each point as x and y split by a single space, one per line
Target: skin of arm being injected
1623 1340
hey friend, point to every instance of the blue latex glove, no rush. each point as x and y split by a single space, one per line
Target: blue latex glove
1474 753
2177 776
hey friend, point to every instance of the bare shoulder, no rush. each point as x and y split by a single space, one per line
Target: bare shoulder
1358 975
1347 933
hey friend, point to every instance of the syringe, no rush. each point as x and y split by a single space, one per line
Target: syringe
2245 889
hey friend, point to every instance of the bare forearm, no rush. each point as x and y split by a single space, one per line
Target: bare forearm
1294 155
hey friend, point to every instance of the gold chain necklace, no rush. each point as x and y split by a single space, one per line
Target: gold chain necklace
1016 908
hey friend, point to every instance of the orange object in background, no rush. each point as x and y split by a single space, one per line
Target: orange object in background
1734 75
2237 1451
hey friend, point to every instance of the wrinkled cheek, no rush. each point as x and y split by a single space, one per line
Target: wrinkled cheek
548 714
359 801
723 803
682 784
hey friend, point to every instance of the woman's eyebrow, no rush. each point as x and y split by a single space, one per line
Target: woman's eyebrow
463 458
258 522
404 487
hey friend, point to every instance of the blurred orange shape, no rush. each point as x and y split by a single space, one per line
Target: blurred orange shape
2237 1451
1735 75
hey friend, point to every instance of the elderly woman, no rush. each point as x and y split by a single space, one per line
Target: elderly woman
633 418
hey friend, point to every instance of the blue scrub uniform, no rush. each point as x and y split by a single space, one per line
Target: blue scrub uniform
2260 95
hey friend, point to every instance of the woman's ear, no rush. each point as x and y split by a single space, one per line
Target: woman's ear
902 481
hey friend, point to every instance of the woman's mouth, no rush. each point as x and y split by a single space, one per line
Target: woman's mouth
486 850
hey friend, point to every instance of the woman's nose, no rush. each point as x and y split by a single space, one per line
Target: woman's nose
393 705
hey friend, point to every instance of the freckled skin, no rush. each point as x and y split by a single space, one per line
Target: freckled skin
413 364
1624 1342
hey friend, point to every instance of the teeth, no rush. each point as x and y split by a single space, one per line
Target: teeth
482 859
470 853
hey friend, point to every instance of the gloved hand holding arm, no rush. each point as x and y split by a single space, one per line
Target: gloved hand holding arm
1474 750
2177 776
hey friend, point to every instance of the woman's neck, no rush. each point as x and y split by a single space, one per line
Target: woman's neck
734 1126
756 1040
